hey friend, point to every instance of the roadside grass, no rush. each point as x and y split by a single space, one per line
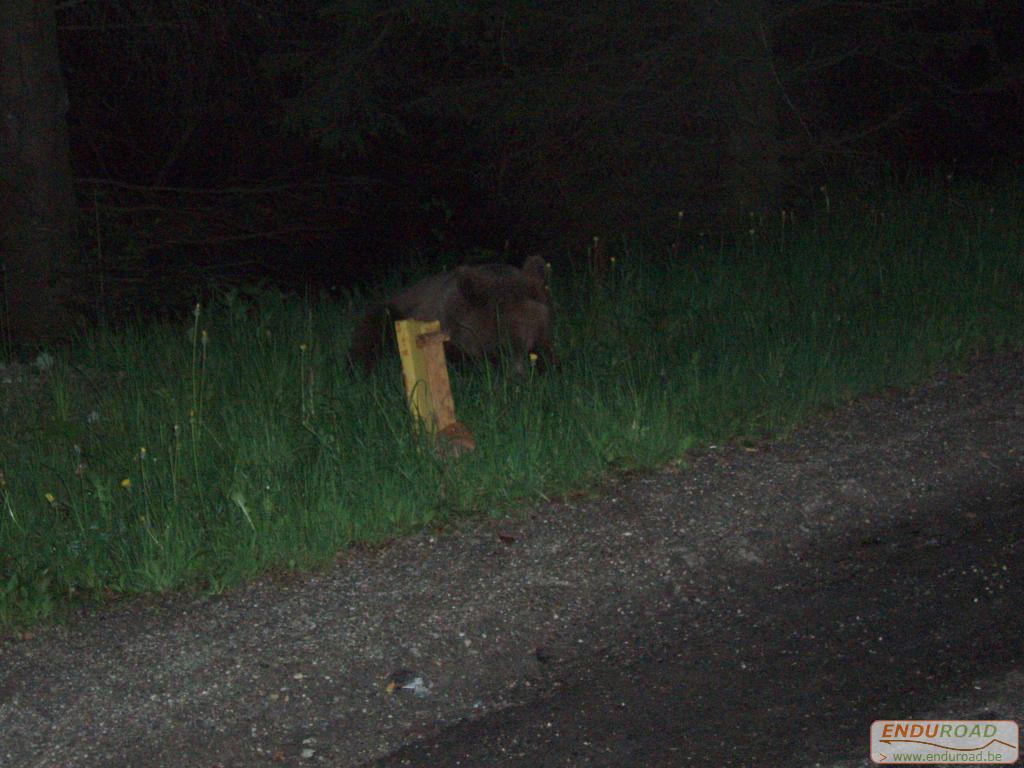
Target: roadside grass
166 456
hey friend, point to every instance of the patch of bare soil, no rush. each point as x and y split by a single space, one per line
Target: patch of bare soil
390 646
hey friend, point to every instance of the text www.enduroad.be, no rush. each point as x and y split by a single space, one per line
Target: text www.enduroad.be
946 757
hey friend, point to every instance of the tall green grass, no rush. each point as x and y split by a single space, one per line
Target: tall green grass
196 455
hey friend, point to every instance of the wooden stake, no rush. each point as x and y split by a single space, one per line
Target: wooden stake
427 387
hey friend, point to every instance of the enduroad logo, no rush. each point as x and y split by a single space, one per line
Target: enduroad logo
960 742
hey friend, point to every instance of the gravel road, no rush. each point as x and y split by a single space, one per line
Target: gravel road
502 614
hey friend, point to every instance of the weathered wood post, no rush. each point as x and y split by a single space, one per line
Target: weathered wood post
427 387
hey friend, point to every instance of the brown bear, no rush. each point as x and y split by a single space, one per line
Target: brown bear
483 308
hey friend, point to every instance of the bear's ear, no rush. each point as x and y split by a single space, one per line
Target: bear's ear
473 286
536 267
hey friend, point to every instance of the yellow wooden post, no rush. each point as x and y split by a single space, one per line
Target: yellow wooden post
414 369
427 388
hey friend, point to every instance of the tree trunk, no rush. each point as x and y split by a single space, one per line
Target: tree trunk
746 99
37 205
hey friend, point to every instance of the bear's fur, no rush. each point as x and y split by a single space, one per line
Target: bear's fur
482 308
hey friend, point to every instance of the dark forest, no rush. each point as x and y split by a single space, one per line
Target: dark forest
152 148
